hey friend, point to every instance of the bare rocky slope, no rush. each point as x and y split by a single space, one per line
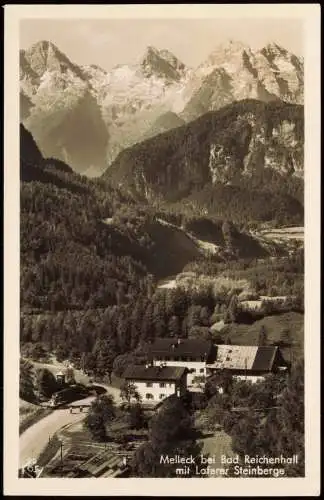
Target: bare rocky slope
247 152
86 116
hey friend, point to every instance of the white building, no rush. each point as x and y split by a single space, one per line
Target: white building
193 354
155 383
250 363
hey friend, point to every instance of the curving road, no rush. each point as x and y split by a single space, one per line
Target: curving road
35 438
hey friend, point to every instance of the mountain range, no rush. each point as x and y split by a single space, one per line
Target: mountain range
85 115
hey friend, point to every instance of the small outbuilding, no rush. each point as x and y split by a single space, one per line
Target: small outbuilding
61 378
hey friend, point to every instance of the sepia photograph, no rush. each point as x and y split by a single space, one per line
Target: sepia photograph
161 311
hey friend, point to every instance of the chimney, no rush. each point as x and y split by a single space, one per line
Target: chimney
147 365
179 341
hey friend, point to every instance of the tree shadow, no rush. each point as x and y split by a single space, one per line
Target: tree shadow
98 389
201 434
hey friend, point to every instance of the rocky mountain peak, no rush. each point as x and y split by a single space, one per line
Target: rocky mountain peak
172 59
46 56
274 48
132 97
161 63
226 50
234 46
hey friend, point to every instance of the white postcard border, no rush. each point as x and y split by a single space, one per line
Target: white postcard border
310 485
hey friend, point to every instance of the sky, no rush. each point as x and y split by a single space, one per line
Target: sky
108 42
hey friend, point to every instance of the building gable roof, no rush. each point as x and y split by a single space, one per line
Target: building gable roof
180 347
144 372
264 358
241 357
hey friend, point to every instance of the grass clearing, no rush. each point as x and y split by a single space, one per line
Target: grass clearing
218 283
215 442
26 408
216 445
29 417
242 334
49 452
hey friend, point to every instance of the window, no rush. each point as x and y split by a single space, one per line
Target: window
167 358
193 370
162 384
149 384
162 396
183 358
201 370
149 396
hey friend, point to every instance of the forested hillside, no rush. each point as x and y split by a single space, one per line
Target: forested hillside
242 162
90 260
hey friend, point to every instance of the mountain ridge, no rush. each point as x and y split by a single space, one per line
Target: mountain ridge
130 99
88 227
247 144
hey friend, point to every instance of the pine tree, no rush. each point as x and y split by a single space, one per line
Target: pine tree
159 320
263 336
104 351
45 382
233 309
100 413
136 416
26 381
128 392
147 327
174 327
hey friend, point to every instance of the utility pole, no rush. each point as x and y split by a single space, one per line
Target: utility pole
61 446
290 356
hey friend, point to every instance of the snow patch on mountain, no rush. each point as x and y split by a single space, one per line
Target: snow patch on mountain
131 98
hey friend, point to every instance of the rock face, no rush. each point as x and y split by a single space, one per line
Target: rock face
234 72
132 98
25 105
64 104
162 64
63 116
163 123
247 144
44 57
